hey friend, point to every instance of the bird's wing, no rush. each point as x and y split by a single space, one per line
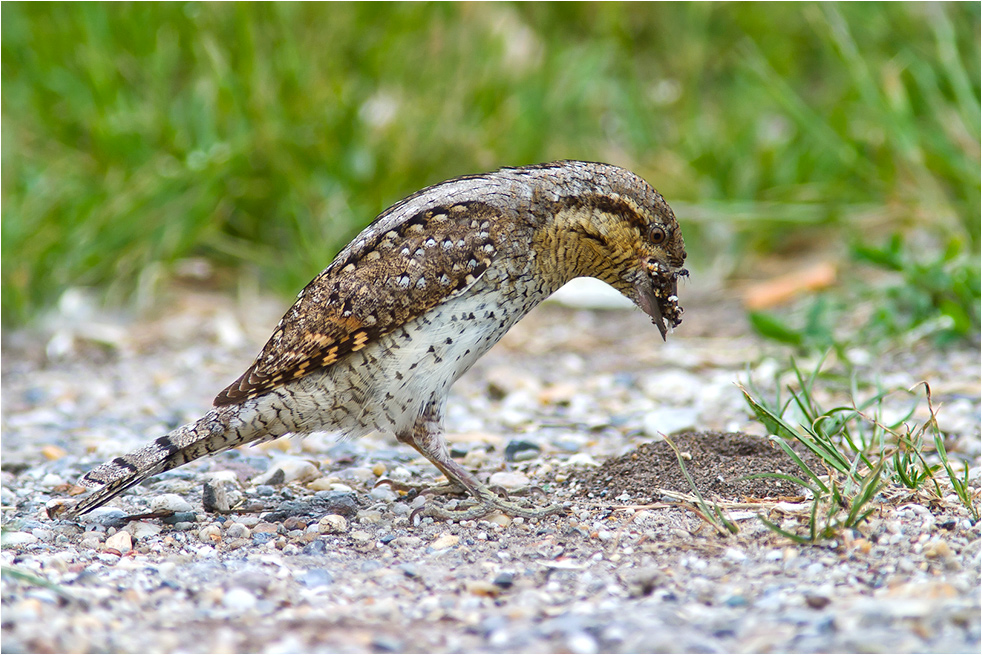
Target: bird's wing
383 280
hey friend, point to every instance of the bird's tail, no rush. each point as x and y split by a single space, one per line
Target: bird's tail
218 430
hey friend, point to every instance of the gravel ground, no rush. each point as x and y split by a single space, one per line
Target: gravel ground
314 557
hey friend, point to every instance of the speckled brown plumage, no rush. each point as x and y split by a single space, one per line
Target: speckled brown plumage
377 339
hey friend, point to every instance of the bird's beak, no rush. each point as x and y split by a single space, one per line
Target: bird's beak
657 294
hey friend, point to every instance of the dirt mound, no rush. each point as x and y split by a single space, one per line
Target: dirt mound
718 465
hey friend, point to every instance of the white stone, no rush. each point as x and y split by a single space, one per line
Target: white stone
332 524
121 541
143 529
445 540
51 480
581 459
383 493
18 538
170 503
239 599
294 470
509 480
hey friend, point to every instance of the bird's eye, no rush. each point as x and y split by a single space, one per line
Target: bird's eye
656 234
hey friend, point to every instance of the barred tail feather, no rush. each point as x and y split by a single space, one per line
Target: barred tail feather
220 429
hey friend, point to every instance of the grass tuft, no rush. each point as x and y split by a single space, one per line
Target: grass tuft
852 455
262 137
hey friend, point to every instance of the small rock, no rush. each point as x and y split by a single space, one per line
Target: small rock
498 518
504 580
52 453
369 516
214 498
171 503
386 644
509 480
317 578
446 540
297 470
143 529
357 474
581 459
337 502
274 478
210 534
260 538
379 469
180 518
105 515
582 643
817 601
383 493
361 535
519 450
239 599
47 536
332 524
121 541
937 549
238 531
51 480
642 581
482 588
321 484
315 548
18 538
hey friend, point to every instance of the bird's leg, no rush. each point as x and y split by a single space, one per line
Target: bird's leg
427 438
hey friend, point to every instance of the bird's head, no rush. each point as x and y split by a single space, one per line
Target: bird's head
628 236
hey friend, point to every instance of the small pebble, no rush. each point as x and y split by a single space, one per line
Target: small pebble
52 453
315 548
239 599
509 480
143 529
383 493
288 470
446 540
519 450
499 519
482 588
317 578
214 498
121 541
18 538
369 516
937 549
238 531
170 503
332 524
180 518
210 533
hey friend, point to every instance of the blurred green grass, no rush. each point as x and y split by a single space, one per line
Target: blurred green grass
264 136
